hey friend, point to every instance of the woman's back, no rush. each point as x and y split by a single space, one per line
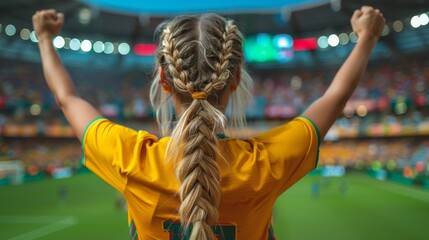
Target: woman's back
254 172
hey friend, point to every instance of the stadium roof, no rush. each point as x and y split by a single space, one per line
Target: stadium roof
134 21
137 19
173 7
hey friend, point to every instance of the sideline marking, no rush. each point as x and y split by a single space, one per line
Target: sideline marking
398 189
57 224
29 219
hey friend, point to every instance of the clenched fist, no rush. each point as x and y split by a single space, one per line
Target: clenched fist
47 23
368 22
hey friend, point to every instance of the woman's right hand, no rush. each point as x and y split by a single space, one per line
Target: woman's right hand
47 23
368 23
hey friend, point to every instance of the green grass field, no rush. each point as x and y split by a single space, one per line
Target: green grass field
368 210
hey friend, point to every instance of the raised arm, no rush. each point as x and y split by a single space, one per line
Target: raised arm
368 24
79 113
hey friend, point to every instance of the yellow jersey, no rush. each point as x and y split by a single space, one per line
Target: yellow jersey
254 173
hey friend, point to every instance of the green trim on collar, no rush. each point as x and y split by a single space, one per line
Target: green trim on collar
221 136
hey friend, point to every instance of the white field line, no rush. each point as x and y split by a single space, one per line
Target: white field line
57 224
29 219
398 189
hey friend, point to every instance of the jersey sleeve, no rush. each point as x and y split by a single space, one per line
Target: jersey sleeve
113 151
292 149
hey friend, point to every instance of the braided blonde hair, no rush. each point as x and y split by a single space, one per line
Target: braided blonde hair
199 56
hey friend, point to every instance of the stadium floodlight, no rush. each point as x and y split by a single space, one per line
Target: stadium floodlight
348 111
108 48
115 48
424 19
323 42
25 34
98 47
67 43
353 37
59 42
35 109
415 21
33 37
10 30
398 26
333 40
86 45
85 15
344 38
361 111
74 44
124 48
386 30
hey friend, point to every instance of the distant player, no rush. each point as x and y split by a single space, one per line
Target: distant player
196 182
315 189
63 193
343 187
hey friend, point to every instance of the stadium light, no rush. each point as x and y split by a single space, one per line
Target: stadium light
98 47
35 109
85 15
25 34
74 44
323 42
333 40
86 45
115 48
59 42
67 43
353 37
344 38
33 37
10 30
361 111
415 21
348 112
386 30
398 26
124 48
424 19
108 48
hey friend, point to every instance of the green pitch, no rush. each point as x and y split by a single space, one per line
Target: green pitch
353 207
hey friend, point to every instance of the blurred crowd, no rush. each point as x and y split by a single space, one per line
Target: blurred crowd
397 88
391 155
392 100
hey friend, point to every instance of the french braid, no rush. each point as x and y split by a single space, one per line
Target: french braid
199 54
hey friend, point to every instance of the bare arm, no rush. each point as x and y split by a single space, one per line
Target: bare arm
78 112
367 23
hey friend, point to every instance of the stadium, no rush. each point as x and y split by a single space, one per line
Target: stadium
372 177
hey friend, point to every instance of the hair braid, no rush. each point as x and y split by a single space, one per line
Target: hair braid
198 54
197 170
175 63
221 69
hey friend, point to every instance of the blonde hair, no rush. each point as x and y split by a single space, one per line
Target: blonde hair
199 55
